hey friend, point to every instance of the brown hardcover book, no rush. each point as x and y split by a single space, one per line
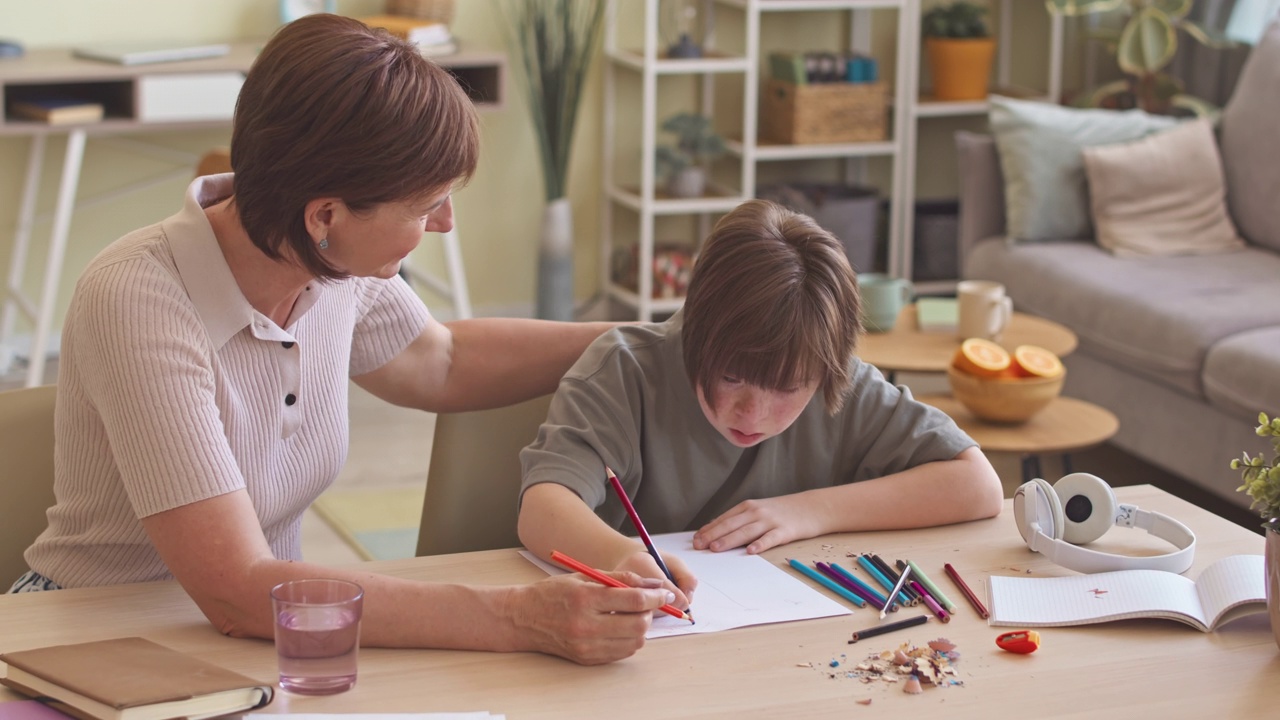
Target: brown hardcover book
58 111
131 679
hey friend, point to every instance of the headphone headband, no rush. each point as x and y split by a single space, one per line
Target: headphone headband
1038 511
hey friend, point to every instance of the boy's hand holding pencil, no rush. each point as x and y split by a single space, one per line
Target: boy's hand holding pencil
683 583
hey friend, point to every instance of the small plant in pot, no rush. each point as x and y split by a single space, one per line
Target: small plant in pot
960 50
696 143
1262 485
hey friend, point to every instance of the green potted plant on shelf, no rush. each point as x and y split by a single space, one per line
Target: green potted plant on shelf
683 163
1262 485
960 50
1143 47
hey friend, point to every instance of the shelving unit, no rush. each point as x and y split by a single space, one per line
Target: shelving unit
649 203
909 109
901 255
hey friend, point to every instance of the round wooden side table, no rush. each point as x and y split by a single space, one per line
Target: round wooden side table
1065 425
906 348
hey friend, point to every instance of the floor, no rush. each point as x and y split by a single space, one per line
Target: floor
391 446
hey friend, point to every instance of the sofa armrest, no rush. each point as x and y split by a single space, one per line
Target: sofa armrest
982 213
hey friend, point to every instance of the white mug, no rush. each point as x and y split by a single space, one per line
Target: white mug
985 310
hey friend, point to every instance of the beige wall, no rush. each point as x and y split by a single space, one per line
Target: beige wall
498 214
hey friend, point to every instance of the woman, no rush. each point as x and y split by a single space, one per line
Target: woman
202 389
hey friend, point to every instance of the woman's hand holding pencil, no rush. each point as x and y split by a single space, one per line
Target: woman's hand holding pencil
604 579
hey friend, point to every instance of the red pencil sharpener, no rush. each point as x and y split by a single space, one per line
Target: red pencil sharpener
1019 641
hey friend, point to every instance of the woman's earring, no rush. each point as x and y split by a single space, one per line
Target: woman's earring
324 244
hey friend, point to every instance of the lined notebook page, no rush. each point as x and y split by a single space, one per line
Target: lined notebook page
1103 597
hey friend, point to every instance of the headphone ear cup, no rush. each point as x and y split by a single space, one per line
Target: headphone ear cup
1088 505
1035 504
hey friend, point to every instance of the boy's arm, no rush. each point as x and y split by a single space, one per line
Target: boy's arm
936 493
553 517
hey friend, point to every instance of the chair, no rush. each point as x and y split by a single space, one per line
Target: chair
474 478
26 492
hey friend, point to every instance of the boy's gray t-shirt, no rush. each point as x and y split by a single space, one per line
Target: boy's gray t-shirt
628 404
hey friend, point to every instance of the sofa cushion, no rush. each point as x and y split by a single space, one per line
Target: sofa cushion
1242 374
1250 142
1155 316
1045 191
1161 195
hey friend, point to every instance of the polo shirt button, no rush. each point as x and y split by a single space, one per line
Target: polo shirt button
287 345
290 399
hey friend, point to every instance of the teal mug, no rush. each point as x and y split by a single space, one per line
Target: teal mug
883 297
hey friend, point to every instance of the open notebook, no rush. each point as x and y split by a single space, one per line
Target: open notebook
1229 588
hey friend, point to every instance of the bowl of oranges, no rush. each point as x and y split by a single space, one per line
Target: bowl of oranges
1001 386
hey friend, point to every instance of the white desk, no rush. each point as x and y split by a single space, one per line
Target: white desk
120 89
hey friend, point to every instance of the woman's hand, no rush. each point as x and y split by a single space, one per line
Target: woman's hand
641 563
579 619
762 524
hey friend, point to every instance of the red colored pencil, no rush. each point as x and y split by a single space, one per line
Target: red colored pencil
635 520
603 579
964 588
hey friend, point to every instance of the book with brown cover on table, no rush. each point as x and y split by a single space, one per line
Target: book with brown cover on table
57 111
131 679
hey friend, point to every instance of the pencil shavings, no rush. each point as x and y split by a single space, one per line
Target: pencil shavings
930 666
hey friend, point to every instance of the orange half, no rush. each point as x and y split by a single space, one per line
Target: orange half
982 358
1033 361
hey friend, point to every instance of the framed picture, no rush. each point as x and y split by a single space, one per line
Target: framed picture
291 10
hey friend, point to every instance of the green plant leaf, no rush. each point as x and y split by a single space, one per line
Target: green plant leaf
1147 42
1083 7
1175 9
1202 108
1207 36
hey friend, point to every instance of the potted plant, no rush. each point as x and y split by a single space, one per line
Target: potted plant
1143 47
1262 485
960 50
682 163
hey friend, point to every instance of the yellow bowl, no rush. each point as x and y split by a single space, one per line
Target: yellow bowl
1005 400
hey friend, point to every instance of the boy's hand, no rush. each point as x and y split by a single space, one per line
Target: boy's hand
642 564
761 524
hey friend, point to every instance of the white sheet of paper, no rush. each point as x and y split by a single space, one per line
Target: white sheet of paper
734 590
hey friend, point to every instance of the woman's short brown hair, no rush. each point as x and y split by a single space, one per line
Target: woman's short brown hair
332 108
774 302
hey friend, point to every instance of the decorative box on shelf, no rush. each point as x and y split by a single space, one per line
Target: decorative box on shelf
818 113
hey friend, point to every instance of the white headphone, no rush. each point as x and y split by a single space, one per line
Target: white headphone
1080 508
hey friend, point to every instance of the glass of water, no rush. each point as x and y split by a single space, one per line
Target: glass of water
317 629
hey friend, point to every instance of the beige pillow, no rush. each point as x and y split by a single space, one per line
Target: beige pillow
1161 195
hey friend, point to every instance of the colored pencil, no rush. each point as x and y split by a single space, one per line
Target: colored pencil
881 599
934 607
892 574
902 582
968 593
830 572
827 582
932 587
874 572
639 526
603 579
888 627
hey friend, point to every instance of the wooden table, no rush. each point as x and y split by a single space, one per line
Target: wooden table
1064 426
906 349
1143 668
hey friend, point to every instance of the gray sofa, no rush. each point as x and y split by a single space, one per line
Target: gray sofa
1184 350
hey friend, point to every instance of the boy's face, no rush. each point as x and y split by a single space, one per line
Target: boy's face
747 414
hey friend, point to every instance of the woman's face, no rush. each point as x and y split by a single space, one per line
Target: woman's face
747 414
374 243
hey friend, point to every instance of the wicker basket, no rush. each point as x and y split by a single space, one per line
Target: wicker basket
437 10
823 112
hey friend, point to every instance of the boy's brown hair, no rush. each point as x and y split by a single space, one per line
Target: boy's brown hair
331 108
774 302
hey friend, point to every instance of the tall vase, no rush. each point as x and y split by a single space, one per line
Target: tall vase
555 262
1273 580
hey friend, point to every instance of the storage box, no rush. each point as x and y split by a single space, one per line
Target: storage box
852 214
823 112
935 255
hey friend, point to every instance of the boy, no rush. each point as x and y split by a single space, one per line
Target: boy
745 417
